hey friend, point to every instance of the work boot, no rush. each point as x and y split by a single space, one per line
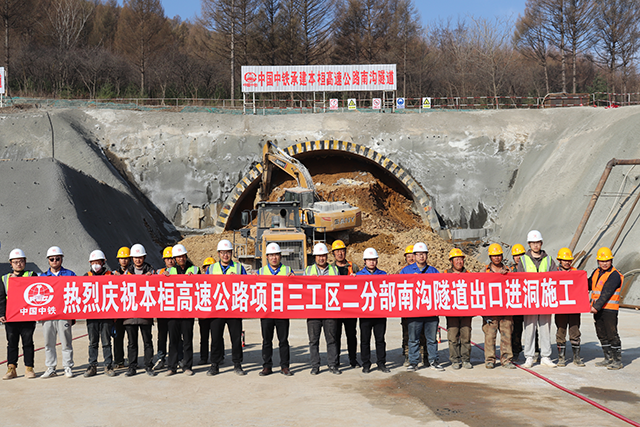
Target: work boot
606 349
11 373
29 372
576 356
561 355
616 362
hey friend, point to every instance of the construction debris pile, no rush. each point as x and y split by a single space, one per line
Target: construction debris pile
389 223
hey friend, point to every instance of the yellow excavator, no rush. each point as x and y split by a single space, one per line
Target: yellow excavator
292 222
328 217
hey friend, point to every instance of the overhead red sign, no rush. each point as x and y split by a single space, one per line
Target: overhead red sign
204 296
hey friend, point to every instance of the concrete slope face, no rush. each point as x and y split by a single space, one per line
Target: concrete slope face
558 176
187 161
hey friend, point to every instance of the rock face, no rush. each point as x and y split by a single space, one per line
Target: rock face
505 172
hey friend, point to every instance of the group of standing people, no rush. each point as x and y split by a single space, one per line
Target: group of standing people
420 342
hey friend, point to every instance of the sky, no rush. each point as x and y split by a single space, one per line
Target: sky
429 10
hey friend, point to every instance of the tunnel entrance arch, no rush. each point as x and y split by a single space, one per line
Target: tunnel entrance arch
242 196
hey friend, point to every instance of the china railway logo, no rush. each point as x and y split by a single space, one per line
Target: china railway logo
38 294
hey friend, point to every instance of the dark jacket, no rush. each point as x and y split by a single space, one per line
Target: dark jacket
145 269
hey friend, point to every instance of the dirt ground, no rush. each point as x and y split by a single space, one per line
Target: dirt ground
389 223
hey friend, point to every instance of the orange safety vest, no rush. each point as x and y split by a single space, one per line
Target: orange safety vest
597 283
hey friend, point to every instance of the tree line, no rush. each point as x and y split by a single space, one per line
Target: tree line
100 49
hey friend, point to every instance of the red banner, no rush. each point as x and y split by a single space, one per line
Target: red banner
244 296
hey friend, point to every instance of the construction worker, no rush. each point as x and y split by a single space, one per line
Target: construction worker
410 258
143 326
346 268
491 324
181 329
99 329
52 328
226 265
517 251
565 259
163 323
459 327
205 324
275 268
536 260
316 326
419 324
605 284
124 267
17 330
377 325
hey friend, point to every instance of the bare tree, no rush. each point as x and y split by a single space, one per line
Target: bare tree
404 33
266 34
530 38
579 19
142 32
15 14
314 26
555 23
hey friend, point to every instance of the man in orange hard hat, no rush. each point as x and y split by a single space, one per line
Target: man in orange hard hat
459 327
346 268
491 324
605 284
565 260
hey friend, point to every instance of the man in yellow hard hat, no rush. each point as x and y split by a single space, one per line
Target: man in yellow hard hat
565 260
205 324
124 267
410 258
491 324
346 268
459 327
605 284
536 260
517 251
163 323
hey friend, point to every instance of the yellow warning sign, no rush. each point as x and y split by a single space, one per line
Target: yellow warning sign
426 102
351 102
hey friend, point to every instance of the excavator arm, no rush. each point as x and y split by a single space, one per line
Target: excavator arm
272 155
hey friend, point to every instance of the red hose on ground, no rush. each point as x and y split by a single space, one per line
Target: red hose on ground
40 348
573 393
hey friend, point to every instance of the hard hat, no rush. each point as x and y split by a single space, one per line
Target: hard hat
604 254
208 261
16 253
455 252
138 250
123 252
178 250
54 250
97 255
320 249
224 245
420 247
370 253
517 249
273 248
167 253
495 249
338 244
565 254
534 236
408 250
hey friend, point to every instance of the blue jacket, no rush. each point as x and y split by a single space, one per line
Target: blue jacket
413 269
63 272
366 272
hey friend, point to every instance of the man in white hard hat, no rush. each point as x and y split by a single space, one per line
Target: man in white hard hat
427 324
144 326
275 268
377 325
99 329
180 329
226 265
316 326
52 328
536 260
17 330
